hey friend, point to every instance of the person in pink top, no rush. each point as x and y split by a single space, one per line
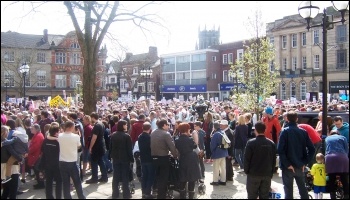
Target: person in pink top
315 139
3 117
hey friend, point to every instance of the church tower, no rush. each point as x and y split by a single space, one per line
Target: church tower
208 38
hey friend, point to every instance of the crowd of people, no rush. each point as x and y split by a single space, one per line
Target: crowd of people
43 141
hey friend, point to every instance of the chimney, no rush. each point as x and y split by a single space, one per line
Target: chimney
127 56
46 37
152 51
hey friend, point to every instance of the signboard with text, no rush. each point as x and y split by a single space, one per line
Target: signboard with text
184 88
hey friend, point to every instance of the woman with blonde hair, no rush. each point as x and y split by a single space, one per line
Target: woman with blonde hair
241 138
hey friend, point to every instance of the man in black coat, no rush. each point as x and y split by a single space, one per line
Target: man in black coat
226 129
259 163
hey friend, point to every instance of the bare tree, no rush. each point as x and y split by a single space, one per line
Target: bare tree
91 21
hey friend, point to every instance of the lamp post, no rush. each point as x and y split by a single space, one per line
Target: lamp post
24 69
308 11
147 74
78 87
6 85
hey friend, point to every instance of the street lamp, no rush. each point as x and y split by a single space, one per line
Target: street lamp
78 83
24 69
147 74
308 11
6 85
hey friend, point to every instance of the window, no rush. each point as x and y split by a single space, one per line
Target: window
183 59
213 76
225 76
213 58
198 57
41 77
224 59
293 89
123 84
9 56
239 55
75 59
169 61
284 64
10 75
284 42
294 63
230 58
302 90
341 59
272 40
182 75
304 63
341 33
124 71
60 58
135 70
60 81
169 76
150 86
294 40
41 57
199 74
25 57
75 46
316 36
112 80
304 39
316 61
73 80
313 84
283 91
272 66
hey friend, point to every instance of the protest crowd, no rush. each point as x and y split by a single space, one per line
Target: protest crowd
62 147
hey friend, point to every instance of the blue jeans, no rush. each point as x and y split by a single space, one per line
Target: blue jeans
239 157
148 175
288 177
70 170
94 169
108 163
121 173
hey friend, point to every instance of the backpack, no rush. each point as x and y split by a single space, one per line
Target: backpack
225 141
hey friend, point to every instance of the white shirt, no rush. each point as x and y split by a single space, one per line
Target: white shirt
69 143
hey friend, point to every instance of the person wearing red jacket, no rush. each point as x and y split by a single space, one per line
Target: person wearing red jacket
315 139
136 129
273 126
35 152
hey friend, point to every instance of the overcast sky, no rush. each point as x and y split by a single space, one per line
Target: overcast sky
181 19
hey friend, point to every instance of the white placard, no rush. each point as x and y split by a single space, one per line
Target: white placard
216 99
181 98
328 97
307 96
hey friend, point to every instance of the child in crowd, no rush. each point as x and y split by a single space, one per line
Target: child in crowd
18 148
318 171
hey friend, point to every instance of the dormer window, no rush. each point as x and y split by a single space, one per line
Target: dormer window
75 46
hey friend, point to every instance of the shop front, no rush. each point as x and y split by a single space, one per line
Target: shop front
183 92
339 89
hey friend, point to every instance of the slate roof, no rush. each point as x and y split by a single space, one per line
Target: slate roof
17 40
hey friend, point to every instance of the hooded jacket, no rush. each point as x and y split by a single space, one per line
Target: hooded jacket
344 130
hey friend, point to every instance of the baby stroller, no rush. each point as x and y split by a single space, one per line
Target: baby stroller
309 184
174 184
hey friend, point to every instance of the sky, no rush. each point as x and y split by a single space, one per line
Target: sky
180 23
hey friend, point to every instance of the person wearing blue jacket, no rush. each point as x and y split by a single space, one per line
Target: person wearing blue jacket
295 150
219 156
342 127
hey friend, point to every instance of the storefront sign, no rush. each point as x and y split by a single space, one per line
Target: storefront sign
184 88
229 86
335 86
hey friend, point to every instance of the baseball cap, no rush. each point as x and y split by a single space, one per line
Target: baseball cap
269 110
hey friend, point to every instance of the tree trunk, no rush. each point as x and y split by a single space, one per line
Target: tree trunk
89 92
